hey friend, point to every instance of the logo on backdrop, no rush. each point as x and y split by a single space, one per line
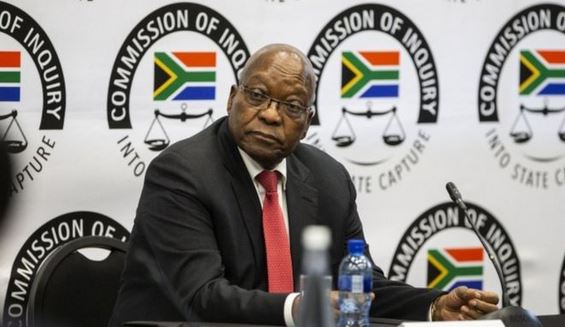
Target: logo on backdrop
449 268
25 45
562 288
377 94
451 253
183 83
40 244
522 97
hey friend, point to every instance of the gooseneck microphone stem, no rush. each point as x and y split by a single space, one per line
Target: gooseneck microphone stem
458 200
512 316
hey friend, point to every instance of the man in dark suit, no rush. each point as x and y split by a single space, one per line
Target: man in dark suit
200 248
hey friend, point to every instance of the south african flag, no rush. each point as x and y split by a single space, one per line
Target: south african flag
185 76
370 74
542 72
10 66
452 267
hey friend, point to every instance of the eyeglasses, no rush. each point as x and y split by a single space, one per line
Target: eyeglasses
262 101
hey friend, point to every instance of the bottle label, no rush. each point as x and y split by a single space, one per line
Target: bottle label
355 283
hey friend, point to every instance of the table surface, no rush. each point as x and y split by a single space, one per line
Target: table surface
546 320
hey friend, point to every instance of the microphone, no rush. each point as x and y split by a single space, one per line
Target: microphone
511 316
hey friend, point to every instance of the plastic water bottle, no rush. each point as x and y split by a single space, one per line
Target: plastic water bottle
355 283
315 310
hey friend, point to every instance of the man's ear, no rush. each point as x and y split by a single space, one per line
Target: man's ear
233 92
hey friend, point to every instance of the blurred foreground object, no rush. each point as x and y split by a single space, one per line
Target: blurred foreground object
5 172
315 310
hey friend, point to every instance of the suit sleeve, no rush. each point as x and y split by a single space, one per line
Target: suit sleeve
393 299
175 229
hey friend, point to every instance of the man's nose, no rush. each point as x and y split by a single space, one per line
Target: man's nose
271 112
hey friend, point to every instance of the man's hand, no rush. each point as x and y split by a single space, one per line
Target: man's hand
464 303
296 307
334 303
334 297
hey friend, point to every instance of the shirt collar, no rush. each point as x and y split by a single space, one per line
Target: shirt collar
254 168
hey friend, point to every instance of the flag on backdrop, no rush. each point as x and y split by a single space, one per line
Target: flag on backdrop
10 69
542 72
453 267
184 76
370 74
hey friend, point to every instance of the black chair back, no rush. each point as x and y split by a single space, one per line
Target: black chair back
72 290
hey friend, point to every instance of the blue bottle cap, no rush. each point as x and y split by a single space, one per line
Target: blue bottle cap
355 246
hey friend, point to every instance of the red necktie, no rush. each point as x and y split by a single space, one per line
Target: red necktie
279 264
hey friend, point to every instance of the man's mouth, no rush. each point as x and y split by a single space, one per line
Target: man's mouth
264 136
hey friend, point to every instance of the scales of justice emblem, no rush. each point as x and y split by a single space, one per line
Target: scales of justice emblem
181 76
369 75
13 136
10 89
542 73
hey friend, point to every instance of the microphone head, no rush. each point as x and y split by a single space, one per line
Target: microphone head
453 192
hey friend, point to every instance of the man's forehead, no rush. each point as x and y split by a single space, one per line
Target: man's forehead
287 57
296 83
275 57
286 63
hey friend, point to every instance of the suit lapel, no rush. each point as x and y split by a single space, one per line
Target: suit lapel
244 191
301 196
302 206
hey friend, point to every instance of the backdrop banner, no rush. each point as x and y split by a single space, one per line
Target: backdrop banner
411 95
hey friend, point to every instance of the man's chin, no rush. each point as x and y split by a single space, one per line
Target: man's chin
267 158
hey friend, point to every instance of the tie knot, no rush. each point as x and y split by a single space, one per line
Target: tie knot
269 180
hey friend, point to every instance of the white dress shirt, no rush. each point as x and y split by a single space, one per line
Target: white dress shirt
255 169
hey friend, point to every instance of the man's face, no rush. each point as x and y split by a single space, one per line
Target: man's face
268 135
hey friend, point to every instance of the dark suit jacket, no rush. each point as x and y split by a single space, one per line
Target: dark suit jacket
197 250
